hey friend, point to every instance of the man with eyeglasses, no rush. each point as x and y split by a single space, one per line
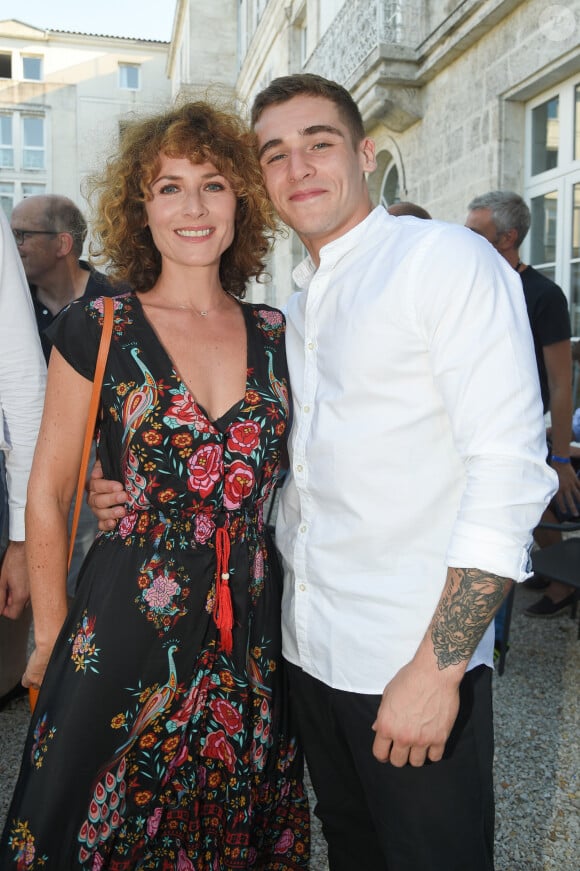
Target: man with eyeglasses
50 232
503 218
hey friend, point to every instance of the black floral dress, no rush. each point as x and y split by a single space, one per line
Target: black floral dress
159 740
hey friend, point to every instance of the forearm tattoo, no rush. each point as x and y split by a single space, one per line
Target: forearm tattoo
464 612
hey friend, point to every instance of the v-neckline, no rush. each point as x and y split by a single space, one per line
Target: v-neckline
214 422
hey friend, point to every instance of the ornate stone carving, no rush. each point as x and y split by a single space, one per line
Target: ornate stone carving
361 28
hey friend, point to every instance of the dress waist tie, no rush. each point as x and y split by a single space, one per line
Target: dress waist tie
223 612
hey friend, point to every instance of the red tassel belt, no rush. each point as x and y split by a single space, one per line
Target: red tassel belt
223 612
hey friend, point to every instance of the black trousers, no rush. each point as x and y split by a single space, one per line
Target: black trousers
376 817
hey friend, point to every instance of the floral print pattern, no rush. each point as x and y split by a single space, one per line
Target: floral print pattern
157 748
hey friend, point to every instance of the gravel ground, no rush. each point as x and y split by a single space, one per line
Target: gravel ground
537 748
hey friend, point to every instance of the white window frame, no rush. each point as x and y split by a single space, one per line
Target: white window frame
33 149
10 146
11 56
560 179
391 165
126 65
23 180
40 59
7 196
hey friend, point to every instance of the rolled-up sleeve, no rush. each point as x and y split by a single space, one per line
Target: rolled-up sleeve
22 379
482 356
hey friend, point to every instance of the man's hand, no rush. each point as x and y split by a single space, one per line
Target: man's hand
568 495
14 587
421 703
416 715
106 499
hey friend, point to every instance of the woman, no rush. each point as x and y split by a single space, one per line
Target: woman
161 737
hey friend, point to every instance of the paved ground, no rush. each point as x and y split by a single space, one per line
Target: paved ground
537 740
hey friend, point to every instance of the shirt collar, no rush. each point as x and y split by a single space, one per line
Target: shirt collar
331 253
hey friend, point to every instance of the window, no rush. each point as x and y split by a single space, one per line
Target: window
544 209
5 65
32 190
299 35
6 144
129 77
7 198
390 188
32 68
32 142
243 36
577 123
545 136
553 189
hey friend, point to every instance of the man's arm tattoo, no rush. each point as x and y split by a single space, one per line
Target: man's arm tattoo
464 612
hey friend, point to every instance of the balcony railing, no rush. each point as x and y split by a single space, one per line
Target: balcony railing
363 27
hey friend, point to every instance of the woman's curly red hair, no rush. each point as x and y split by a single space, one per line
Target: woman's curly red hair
200 133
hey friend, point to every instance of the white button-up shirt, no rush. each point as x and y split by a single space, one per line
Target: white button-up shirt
22 377
418 442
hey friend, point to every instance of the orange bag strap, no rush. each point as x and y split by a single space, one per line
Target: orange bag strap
104 344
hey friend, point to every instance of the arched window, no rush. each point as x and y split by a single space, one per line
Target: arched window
390 187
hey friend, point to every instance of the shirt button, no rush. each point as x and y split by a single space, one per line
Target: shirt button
299 468
302 587
306 409
303 528
311 346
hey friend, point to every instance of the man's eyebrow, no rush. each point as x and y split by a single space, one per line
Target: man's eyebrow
313 130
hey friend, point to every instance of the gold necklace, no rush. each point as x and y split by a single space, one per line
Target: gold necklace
201 312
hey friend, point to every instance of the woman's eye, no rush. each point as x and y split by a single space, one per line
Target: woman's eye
168 189
215 186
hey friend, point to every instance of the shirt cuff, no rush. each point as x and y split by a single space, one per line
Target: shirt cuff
486 549
16 524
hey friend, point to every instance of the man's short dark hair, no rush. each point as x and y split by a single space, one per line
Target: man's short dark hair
508 212
284 88
406 208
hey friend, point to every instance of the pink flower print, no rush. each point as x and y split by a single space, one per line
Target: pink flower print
244 437
183 863
153 822
184 411
98 862
204 528
127 524
238 484
258 566
226 715
284 842
273 318
99 305
205 467
159 595
217 746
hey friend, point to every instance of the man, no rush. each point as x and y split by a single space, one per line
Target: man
416 475
50 232
503 218
22 376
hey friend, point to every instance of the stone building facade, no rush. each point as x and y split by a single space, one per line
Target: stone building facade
63 98
461 98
